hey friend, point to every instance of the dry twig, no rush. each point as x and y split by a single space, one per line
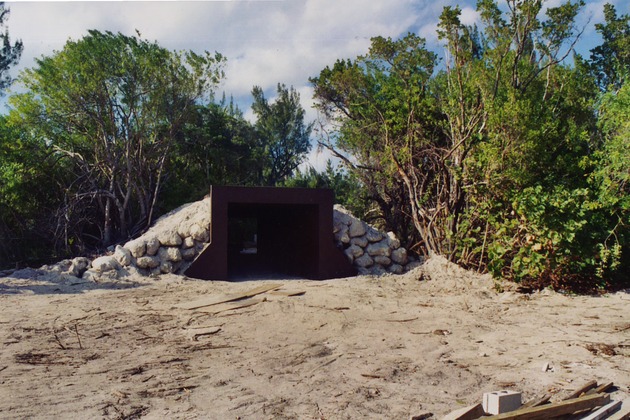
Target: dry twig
76 331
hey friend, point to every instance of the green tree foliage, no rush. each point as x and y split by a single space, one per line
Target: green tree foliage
535 125
529 213
9 54
384 117
611 181
284 138
218 147
28 183
18 173
610 61
348 190
111 108
615 155
505 158
499 154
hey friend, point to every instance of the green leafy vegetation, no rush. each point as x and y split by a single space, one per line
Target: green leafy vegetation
504 158
114 130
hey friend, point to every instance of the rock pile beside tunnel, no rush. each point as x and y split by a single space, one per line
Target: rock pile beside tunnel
371 251
169 246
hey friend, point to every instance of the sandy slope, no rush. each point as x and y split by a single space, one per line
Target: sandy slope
363 347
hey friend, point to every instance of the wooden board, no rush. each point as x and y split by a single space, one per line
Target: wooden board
587 386
215 300
624 413
536 402
230 306
602 388
287 294
603 412
466 413
556 409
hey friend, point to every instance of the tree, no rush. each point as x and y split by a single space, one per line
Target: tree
348 190
611 181
9 54
218 147
284 138
14 167
29 187
490 156
535 127
111 107
610 61
383 123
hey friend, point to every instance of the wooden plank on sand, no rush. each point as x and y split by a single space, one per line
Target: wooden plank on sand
602 388
214 300
603 412
556 409
230 306
288 294
466 413
536 402
581 390
624 413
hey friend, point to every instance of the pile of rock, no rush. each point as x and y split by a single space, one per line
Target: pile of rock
370 250
168 247
75 267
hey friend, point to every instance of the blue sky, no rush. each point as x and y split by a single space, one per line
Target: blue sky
265 41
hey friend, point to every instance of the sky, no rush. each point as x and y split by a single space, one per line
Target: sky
266 42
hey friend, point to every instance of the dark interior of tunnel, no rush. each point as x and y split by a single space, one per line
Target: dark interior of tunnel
272 240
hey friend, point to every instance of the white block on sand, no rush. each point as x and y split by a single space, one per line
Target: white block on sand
498 402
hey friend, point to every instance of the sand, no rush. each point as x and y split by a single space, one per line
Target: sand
430 341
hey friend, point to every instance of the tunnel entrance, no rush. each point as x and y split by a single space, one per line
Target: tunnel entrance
264 232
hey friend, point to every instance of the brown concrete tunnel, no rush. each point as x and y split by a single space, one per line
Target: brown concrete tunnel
260 231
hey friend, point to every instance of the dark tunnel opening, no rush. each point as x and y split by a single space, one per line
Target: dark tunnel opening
272 240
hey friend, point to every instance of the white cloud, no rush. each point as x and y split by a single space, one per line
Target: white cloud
470 16
266 42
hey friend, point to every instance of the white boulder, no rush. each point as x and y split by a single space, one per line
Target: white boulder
353 252
105 263
382 260
148 262
169 253
360 241
379 248
79 266
122 255
153 245
189 254
396 269
199 233
357 228
169 238
399 256
137 247
166 267
394 242
364 261
188 243
373 235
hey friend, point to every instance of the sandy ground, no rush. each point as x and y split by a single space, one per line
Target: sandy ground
430 341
